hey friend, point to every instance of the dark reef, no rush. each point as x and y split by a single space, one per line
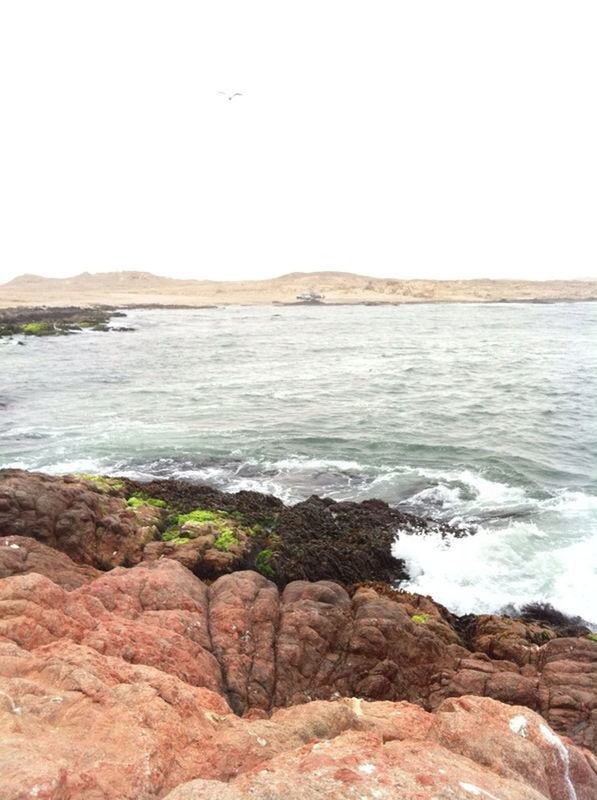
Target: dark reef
43 321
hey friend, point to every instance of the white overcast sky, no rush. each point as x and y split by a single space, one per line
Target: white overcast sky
429 138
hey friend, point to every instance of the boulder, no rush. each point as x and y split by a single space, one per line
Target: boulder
86 519
20 555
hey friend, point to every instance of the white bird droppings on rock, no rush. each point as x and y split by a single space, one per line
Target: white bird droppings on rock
478 792
518 725
556 742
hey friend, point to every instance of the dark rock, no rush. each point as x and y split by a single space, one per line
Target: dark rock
55 321
564 624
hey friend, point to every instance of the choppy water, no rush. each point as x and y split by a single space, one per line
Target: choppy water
483 415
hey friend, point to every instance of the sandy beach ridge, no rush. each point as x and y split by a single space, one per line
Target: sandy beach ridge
133 288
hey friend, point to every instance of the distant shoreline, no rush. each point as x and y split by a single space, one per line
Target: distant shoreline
143 290
108 307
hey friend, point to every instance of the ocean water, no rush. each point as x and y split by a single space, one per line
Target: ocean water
481 415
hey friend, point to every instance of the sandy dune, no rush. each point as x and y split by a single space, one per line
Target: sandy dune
140 288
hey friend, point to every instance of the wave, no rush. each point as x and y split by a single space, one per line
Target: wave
524 544
443 494
490 570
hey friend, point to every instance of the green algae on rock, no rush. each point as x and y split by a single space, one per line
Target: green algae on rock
43 321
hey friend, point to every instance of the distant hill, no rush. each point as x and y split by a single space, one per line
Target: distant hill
141 288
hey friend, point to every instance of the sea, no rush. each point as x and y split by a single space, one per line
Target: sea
480 415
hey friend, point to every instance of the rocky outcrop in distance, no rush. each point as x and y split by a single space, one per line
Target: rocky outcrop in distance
145 681
60 321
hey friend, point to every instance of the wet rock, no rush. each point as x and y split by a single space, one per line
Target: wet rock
317 539
44 321
105 522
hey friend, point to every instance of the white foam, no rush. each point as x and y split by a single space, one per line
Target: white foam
296 462
440 495
485 491
81 466
491 569
570 502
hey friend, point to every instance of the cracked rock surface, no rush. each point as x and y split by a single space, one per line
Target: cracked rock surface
146 683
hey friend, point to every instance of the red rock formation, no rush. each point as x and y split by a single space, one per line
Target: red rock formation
21 555
312 642
75 723
80 517
123 684
470 747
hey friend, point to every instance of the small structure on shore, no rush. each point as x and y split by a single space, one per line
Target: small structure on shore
310 297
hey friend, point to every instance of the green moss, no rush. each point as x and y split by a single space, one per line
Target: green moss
225 540
142 499
262 562
173 535
39 329
200 515
420 618
101 482
592 637
170 534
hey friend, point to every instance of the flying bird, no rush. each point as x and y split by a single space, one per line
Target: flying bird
230 96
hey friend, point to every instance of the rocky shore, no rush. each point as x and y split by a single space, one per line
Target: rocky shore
44 321
170 640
